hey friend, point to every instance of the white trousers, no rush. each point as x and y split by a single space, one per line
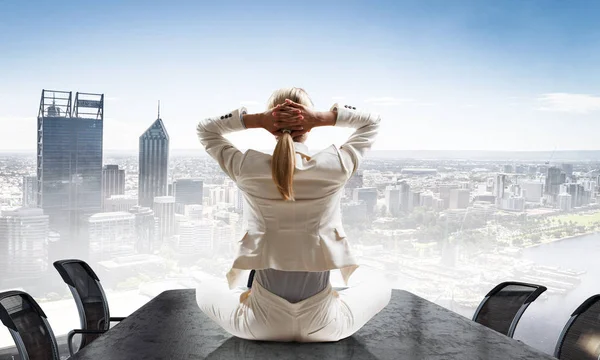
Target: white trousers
258 314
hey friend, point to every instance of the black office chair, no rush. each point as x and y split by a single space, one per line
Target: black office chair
90 299
250 279
580 338
28 326
504 305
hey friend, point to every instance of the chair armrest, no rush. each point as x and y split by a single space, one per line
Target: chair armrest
79 331
112 319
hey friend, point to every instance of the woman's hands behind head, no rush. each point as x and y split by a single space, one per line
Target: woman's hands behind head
278 118
296 117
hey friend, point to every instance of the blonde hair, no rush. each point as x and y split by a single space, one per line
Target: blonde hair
283 162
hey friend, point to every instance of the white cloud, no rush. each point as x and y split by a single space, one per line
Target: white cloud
389 101
565 102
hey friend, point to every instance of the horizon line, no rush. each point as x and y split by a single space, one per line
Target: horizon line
376 150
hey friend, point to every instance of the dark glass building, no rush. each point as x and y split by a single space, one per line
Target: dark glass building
187 192
69 163
554 178
153 163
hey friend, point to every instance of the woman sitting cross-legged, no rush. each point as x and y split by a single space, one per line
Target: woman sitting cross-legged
294 233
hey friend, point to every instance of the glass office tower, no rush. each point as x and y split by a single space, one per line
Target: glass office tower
69 164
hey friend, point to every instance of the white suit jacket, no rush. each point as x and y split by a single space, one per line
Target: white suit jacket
301 235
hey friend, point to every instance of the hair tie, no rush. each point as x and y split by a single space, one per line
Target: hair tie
287 131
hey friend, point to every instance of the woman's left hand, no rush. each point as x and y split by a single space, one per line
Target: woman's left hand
267 120
291 115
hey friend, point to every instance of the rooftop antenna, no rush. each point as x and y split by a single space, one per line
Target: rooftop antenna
158 109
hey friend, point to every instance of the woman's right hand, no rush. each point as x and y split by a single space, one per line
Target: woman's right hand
278 118
267 120
291 115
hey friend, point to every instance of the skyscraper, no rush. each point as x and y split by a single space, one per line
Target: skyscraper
164 211
119 203
459 198
499 188
564 201
153 163
111 234
444 190
532 190
392 200
113 181
554 178
405 200
195 238
30 191
368 195
23 245
145 225
69 162
187 192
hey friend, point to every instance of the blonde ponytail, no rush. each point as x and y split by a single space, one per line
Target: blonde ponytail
283 165
283 162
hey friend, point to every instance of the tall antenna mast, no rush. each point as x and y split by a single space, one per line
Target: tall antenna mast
158 109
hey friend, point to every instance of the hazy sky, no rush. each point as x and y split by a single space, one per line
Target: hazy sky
473 75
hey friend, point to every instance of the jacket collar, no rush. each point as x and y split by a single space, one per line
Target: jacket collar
301 149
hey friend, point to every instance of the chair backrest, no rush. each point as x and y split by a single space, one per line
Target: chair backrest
580 338
89 296
504 305
250 279
28 325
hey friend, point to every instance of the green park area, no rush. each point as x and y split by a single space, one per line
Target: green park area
584 219
557 227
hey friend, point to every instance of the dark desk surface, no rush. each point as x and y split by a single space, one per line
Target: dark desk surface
171 326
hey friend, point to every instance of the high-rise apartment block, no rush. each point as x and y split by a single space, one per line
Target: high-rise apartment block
164 211
119 203
113 181
111 235
460 198
23 245
392 200
30 191
555 177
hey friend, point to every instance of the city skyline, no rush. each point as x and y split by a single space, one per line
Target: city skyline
463 76
486 168
398 215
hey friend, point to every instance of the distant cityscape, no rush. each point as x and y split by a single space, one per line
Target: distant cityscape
446 229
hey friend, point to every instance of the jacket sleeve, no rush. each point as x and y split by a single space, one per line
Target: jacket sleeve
367 127
210 133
